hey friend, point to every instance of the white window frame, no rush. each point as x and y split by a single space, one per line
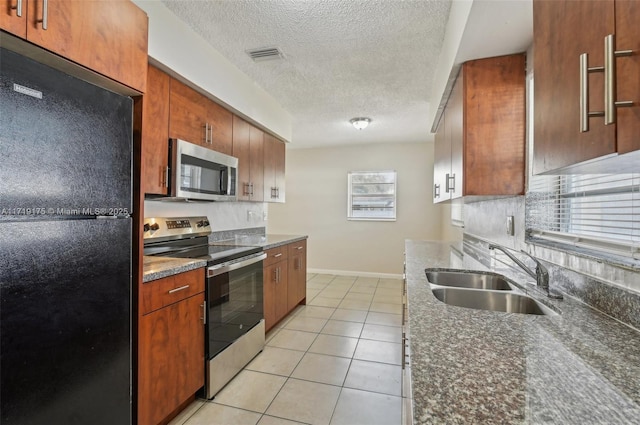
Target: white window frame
355 213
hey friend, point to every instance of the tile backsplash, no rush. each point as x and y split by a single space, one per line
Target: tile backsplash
222 215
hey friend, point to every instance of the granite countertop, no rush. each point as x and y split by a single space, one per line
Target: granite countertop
158 267
262 241
476 366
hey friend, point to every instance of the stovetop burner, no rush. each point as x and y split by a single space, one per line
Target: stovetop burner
187 237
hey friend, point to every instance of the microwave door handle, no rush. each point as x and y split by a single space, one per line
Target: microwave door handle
221 185
229 173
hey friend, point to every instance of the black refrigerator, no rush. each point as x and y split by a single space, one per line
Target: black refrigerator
65 248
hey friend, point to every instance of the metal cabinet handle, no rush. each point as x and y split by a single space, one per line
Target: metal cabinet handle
204 312
404 349
299 247
182 288
278 255
165 183
18 8
584 92
451 187
436 190
610 55
45 15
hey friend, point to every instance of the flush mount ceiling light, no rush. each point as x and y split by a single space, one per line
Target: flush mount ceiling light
360 123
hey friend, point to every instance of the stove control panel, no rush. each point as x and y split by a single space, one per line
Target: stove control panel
172 227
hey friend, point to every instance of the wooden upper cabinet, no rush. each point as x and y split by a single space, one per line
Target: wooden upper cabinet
274 169
628 75
187 114
10 20
199 120
220 121
155 133
480 144
109 37
248 142
563 30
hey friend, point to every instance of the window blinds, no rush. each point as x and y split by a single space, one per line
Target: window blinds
372 195
593 211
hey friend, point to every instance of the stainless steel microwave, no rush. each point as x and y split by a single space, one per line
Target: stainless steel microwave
198 173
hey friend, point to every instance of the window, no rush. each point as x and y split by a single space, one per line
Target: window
594 211
372 195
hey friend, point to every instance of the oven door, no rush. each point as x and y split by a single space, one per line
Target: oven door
234 301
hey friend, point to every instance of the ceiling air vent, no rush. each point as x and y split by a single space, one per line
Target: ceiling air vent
265 54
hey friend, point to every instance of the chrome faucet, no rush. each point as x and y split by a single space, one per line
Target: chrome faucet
541 275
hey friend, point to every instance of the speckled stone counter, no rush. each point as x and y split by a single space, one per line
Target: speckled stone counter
473 366
262 241
159 267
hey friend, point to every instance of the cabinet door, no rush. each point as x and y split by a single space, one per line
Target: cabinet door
441 160
563 30
297 284
282 287
280 153
241 150
494 127
221 122
628 75
275 293
456 131
155 133
269 294
256 141
274 169
109 37
9 19
170 358
187 114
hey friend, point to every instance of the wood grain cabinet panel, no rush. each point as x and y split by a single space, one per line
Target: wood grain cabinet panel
275 293
170 359
109 37
152 117
480 143
285 281
248 146
220 121
297 275
9 19
187 114
563 30
274 169
163 292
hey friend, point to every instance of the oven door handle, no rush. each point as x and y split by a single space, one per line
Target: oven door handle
216 270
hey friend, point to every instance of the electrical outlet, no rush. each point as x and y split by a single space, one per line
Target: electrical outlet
510 230
249 215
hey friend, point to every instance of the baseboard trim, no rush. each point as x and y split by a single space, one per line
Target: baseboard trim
355 273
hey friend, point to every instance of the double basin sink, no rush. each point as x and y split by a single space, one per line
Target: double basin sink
482 290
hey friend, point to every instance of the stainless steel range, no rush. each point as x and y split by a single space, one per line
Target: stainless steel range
233 293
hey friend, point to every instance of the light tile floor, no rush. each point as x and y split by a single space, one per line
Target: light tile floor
335 361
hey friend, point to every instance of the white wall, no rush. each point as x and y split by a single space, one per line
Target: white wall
179 50
317 206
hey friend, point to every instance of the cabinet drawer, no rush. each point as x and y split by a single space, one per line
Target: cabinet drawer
275 254
297 247
162 292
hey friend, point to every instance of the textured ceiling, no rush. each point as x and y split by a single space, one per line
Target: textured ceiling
343 59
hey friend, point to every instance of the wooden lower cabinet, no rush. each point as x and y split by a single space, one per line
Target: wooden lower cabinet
297 275
285 273
170 348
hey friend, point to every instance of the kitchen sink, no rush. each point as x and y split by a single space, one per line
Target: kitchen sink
508 302
473 280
